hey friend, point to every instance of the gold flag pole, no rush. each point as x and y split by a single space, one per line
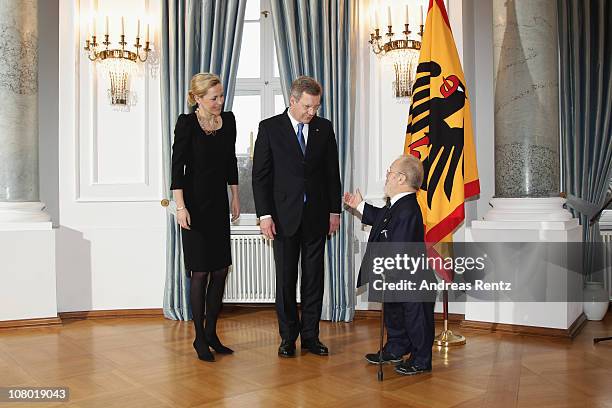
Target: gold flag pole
447 338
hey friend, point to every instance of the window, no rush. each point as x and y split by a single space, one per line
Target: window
258 93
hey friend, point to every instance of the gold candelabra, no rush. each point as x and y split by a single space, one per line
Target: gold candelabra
391 44
403 52
120 62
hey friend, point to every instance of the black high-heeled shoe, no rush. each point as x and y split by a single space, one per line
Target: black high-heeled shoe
203 351
215 343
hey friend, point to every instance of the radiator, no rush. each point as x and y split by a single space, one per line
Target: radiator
607 239
251 278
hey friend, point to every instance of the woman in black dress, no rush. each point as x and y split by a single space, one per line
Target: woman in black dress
203 165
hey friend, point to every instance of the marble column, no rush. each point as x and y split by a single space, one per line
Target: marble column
19 179
527 207
526 98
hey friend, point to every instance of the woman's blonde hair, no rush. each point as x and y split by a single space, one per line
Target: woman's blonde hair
200 84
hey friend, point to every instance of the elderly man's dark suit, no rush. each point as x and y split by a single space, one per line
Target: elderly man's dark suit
410 325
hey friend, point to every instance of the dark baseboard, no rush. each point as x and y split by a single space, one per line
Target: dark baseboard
25 323
111 314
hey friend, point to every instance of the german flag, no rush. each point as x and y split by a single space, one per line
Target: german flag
439 133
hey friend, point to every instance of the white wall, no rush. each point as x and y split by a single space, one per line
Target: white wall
111 237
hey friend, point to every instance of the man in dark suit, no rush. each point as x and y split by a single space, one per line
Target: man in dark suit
298 198
410 325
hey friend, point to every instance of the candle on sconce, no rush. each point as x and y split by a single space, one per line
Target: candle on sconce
147 32
93 24
122 26
106 26
138 29
389 22
376 18
407 15
422 16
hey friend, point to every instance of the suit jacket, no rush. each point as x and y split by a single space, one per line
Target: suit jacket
402 222
282 174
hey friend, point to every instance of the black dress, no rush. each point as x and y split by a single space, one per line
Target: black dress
203 166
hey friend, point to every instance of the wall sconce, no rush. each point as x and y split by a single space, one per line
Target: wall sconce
118 63
403 52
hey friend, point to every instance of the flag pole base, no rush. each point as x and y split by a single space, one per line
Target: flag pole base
447 338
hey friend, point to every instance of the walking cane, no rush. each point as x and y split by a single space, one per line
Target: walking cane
382 316
382 332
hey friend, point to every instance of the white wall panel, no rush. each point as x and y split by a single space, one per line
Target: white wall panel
110 268
118 148
27 275
110 248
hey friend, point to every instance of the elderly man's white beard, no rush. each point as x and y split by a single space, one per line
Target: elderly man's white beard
386 191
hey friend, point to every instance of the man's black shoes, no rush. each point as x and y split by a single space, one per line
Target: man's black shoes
410 368
315 347
286 349
387 358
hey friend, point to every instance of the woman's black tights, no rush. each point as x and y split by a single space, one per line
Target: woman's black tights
207 289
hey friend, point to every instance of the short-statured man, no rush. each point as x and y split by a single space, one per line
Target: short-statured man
410 325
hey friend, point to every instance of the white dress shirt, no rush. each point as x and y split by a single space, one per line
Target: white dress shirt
394 199
295 124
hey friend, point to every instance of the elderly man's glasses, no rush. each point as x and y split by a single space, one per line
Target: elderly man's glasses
389 171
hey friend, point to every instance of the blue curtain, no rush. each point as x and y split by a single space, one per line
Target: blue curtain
585 41
317 38
197 36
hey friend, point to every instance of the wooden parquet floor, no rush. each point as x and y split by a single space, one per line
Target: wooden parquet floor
149 362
